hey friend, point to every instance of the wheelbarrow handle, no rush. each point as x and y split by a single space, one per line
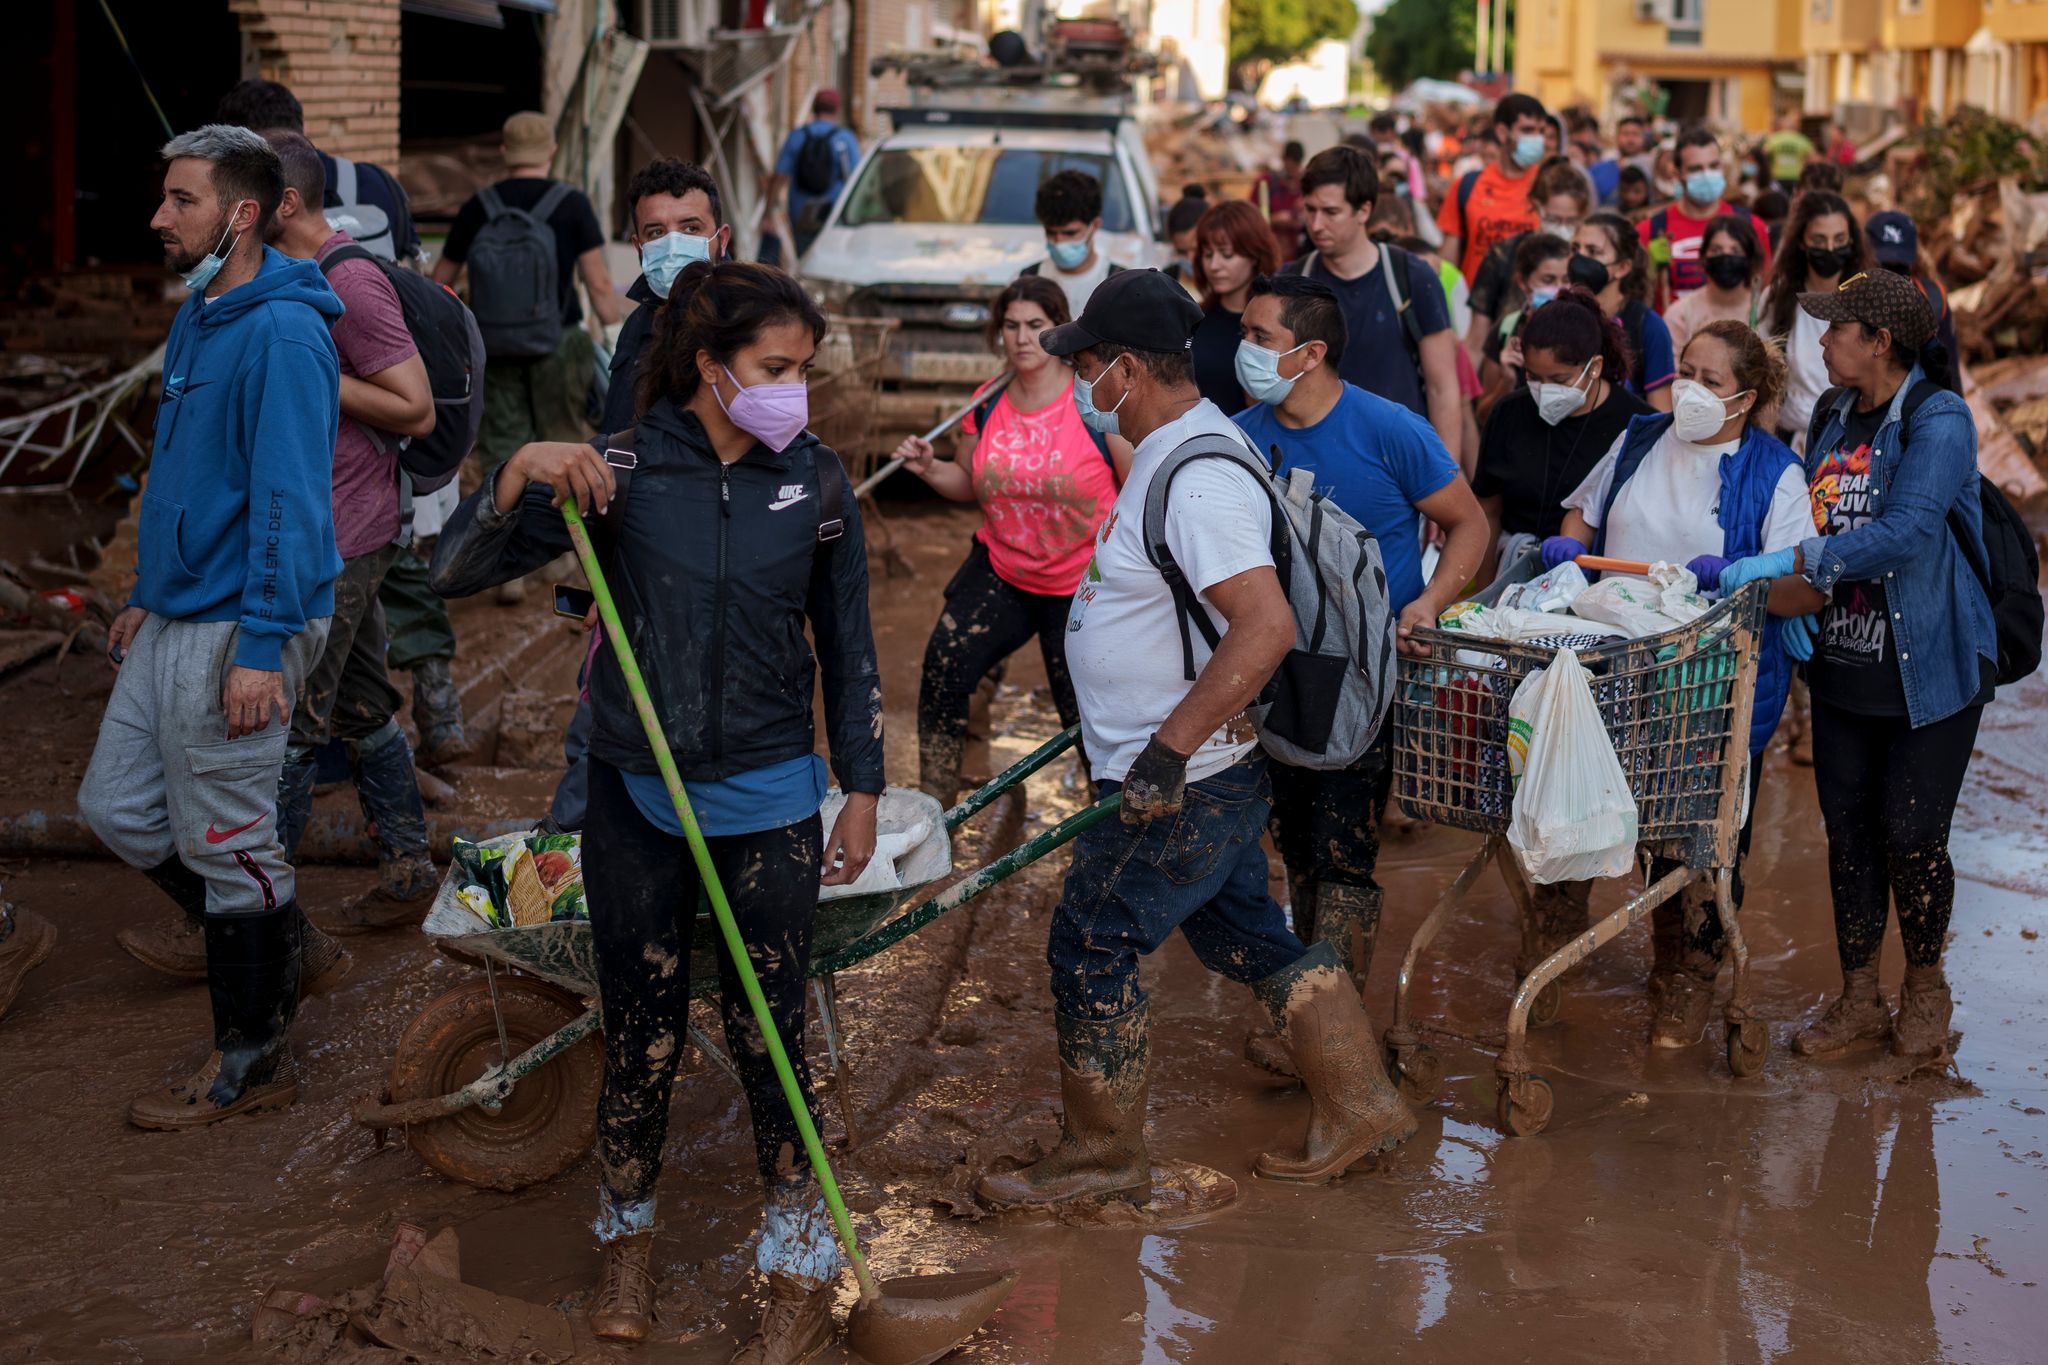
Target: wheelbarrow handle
996 385
1011 776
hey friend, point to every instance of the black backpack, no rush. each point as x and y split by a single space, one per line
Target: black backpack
815 169
452 348
515 285
2011 575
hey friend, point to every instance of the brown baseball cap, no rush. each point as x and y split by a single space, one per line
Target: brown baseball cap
529 138
1877 298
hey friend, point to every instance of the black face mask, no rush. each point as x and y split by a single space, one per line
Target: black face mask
1588 274
1827 263
1727 271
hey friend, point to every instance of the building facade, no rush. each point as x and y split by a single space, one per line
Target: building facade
1920 57
1733 62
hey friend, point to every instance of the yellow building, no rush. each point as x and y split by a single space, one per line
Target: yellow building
1917 57
1733 62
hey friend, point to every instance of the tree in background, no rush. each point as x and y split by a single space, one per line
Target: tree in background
1265 33
1416 38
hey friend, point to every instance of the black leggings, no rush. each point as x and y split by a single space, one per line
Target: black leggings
984 622
1887 793
643 888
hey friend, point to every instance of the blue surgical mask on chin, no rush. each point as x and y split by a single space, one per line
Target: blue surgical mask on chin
1528 150
1092 417
1539 297
1705 187
1258 369
201 275
664 258
1068 255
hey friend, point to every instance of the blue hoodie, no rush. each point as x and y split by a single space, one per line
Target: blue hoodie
238 519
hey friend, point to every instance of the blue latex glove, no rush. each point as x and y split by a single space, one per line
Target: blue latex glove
1707 569
1558 549
1796 635
1743 572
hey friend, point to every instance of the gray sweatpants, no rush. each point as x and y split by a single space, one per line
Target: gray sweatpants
165 778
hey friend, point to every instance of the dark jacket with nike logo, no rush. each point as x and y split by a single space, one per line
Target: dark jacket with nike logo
715 569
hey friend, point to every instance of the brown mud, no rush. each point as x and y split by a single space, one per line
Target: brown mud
1819 1212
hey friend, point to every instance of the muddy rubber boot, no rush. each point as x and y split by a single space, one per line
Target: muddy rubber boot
1925 1009
295 783
1354 1110
29 939
1855 1018
1348 919
1683 1009
437 711
1102 1148
253 977
404 891
796 1324
322 961
176 944
622 1305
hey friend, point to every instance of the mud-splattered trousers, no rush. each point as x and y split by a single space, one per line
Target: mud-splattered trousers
983 622
1887 792
643 891
1327 823
1202 871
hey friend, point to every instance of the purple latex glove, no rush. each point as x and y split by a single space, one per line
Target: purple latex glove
1558 549
1707 569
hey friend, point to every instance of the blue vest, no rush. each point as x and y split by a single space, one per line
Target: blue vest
1749 478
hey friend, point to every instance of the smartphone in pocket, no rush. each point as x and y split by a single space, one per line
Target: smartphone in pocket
573 602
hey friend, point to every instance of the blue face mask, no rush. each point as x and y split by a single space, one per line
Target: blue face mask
664 258
1092 417
201 275
1258 370
1068 255
1705 187
1528 150
1539 297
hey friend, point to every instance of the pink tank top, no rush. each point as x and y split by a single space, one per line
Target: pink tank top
1044 489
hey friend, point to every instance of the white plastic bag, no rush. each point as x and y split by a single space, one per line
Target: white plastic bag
1553 591
1574 818
1643 606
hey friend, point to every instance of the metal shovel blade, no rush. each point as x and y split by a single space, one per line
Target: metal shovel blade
915 1319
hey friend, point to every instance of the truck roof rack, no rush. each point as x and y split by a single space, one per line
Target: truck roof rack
987 116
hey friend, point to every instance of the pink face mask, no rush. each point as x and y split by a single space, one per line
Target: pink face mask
772 413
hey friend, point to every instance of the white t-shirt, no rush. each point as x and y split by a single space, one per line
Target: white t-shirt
1806 375
1080 285
1668 510
1123 634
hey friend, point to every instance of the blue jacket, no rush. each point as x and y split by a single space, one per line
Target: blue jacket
1749 477
1941 619
238 518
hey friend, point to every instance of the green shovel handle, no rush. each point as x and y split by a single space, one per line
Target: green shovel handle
608 611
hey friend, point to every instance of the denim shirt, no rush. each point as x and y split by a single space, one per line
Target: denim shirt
1941 619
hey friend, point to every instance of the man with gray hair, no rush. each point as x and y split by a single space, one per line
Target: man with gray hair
234 587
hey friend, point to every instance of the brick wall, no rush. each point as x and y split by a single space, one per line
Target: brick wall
340 57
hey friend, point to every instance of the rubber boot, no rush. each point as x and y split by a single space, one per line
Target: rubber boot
176 944
1681 974
295 783
1101 1149
253 977
622 1305
437 711
1348 919
1354 1110
1925 1010
795 1325
406 878
27 944
1855 1018
322 961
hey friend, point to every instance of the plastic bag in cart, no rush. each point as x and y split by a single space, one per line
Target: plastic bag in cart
1574 818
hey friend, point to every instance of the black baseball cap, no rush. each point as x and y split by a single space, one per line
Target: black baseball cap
1877 299
1142 309
1894 240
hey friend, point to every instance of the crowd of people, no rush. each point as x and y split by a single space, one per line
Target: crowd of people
1519 338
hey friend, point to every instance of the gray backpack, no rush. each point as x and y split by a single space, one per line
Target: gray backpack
1324 705
514 288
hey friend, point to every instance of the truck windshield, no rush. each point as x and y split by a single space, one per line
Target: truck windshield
994 186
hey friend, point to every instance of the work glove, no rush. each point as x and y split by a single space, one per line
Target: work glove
1707 569
1155 786
1743 572
1796 635
1558 549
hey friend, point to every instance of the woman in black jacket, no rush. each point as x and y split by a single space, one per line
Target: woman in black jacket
719 550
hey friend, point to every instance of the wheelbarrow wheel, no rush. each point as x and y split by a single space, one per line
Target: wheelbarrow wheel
1525 1114
542 1127
1749 1044
1418 1071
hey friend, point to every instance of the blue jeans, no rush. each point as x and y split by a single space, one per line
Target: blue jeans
1202 871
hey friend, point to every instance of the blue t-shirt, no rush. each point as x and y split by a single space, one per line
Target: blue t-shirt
1376 354
845 156
1375 460
1649 339
745 803
1606 177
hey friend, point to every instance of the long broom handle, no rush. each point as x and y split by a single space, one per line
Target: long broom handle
636 686
981 394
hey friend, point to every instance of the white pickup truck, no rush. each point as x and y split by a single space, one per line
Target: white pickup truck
938 217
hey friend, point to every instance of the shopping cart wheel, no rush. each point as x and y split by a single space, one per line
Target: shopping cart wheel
1749 1044
1548 1004
1523 1106
1419 1073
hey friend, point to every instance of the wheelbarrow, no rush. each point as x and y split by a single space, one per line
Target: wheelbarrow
495 1082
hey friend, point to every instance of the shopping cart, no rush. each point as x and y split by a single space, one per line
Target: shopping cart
1676 707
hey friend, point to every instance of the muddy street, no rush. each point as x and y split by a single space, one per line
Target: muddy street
1817 1212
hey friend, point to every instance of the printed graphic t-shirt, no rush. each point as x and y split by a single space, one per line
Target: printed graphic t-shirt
1855 665
369 337
1688 235
1044 489
1496 210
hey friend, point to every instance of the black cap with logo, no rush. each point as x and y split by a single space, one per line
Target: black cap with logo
1877 299
1142 309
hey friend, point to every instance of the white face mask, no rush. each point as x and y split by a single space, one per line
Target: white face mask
1698 412
1555 402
